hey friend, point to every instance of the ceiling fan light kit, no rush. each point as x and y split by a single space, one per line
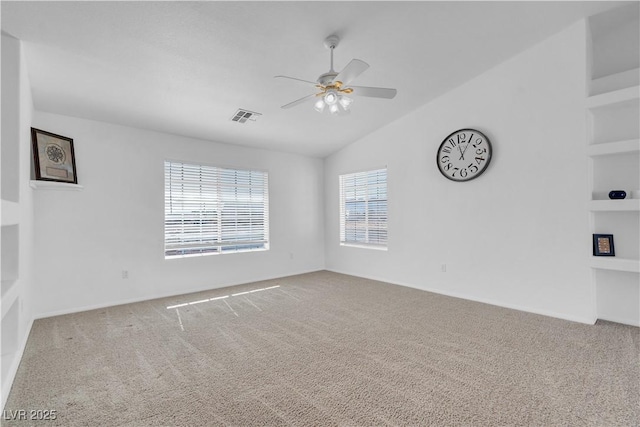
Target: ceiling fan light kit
337 102
332 85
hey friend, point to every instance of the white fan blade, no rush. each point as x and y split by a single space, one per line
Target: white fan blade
374 92
351 71
300 101
293 78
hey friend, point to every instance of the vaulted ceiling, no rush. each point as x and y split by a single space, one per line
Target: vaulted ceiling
185 67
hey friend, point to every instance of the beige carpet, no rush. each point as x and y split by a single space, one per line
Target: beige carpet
327 349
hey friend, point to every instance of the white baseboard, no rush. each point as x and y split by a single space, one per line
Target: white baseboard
158 296
548 313
7 382
623 320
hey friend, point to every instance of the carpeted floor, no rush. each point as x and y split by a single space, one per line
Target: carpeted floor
326 349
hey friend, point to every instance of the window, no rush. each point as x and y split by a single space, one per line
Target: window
363 208
211 210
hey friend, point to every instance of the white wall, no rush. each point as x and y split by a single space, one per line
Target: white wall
517 236
84 239
17 109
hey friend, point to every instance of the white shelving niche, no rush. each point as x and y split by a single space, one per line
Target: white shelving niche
15 214
9 285
613 120
10 289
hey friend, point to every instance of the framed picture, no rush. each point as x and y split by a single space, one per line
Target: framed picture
53 157
603 245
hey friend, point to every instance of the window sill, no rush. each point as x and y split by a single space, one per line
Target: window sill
364 246
167 257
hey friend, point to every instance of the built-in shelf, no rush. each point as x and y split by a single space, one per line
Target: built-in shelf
617 264
612 111
615 205
9 339
7 284
9 298
52 185
615 81
604 195
619 96
10 260
616 147
10 213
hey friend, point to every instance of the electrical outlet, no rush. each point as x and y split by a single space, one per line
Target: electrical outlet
125 274
443 268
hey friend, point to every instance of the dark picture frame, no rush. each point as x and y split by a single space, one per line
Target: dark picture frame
53 157
603 245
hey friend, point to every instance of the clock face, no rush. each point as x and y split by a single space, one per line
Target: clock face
464 155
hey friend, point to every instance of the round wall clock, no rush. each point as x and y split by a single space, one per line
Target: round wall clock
464 155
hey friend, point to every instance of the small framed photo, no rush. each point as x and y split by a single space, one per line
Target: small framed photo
53 157
603 245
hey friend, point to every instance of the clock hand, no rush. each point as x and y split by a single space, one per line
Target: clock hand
465 148
462 153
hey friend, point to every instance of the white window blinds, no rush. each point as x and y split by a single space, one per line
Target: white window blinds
363 208
214 210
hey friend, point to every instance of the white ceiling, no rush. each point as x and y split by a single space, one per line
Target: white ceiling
185 67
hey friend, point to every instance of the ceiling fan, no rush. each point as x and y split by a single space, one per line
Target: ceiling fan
332 87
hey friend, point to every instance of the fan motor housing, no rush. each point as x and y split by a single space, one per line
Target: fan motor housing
326 78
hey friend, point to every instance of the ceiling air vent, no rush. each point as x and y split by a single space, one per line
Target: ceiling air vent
241 116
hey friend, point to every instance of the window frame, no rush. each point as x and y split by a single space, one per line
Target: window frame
212 248
367 241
